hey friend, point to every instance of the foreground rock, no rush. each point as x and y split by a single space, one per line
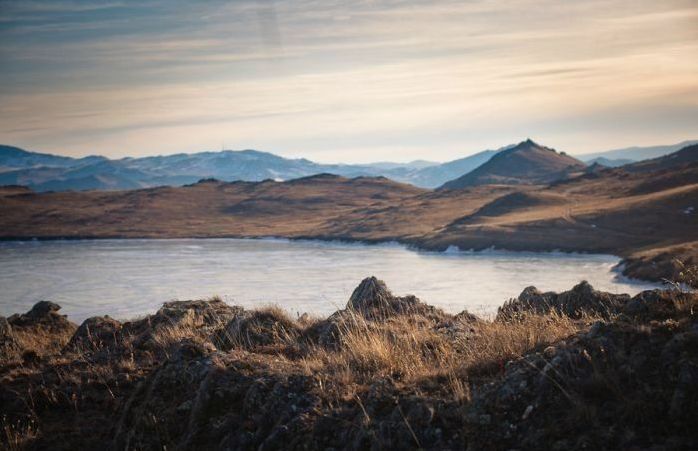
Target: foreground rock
386 372
29 336
373 304
616 386
9 348
94 334
581 300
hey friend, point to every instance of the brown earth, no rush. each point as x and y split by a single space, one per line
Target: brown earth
526 163
581 369
647 217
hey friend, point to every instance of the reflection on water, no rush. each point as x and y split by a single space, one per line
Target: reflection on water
127 278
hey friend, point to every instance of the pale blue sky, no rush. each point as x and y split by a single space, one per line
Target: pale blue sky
345 81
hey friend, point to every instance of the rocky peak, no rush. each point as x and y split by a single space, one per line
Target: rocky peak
43 308
584 288
371 292
42 312
581 299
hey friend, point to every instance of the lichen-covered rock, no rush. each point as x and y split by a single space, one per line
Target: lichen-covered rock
658 304
370 294
42 330
581 300
95 333
200 319
259 328
43 312
640 380
9 348
205 375
233 401
462 326
372 302
373 299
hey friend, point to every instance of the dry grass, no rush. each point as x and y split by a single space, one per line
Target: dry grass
401 347
41 341
409 350
264 327
16 436
439 355
171 334
497 342
37 342
688 274
684 287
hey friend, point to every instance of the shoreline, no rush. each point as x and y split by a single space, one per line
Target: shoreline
621 268
450 269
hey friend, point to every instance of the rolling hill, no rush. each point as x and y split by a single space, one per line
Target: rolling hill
526 163
685 156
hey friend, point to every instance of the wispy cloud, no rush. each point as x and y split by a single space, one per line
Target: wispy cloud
346 80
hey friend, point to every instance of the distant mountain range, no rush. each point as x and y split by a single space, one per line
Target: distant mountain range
684 156
46 172
609 162
619 157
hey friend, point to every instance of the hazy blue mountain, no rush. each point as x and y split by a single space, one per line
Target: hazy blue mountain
44 172
610 162
412 165
433 176
85 174
637 153
228 165
16 158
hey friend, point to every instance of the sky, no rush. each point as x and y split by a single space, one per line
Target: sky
345 81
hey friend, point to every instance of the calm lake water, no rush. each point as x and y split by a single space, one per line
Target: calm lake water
128 278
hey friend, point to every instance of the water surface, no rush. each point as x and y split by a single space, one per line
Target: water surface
128 278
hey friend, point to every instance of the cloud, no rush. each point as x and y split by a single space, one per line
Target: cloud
329 78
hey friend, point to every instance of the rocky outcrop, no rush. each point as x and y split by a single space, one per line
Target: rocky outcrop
200 320
40 331
241 401
95 333
43 312
616 386
372 302
233 401
370 294
265 327
373 299
9 348
580 300
205 375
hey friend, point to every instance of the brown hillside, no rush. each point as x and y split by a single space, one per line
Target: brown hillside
685 156
206 209
613 211
527 163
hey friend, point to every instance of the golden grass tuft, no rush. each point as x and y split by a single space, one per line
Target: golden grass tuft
267 326
408 349
17 436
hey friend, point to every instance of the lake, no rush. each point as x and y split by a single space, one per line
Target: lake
129 278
